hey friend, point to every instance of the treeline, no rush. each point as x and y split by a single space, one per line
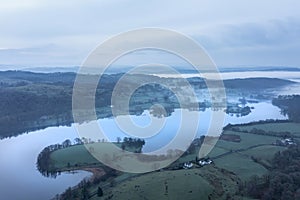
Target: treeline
284 134
32 101
256 83
257 131
267 121
135 143
289 105
283 181
82 190
23 111
44 164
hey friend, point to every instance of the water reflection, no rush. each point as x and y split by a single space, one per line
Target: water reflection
18 166
18 154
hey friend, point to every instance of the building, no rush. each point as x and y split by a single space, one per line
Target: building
188 165
204 162
285 142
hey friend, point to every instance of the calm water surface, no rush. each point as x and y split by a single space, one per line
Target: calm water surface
21 180
18 154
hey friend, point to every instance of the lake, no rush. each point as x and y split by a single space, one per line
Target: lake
21 180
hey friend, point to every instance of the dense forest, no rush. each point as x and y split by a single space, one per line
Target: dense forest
289 105
255 83
283 182
31 101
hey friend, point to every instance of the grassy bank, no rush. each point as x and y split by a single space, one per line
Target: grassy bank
234 163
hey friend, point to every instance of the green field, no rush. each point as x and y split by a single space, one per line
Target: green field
241 165
247 140
216 151
179 184
240 161
291 127
74 155
237 158
80 156
264 152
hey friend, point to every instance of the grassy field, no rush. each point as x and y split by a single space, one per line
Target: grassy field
293 128
264 152
179 184
74 155
79 156
198 183
240 161
247 140
241 165
216 151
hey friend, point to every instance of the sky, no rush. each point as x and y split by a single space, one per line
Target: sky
234 33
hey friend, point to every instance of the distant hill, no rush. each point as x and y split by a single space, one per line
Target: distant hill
256 83
259 68
51 69
37 77
123 69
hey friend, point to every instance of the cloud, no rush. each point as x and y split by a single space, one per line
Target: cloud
75 27
46 55
17 5
271 33
272 42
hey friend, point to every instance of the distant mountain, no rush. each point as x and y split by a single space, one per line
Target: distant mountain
259 68
32 77
51 69
123 69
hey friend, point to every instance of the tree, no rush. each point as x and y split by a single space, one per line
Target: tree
66 143
78 141
85 140
99 192
123 146
287 195
289 105
67 194
130 140
118 140
85 192
283 181
297 194
125 140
